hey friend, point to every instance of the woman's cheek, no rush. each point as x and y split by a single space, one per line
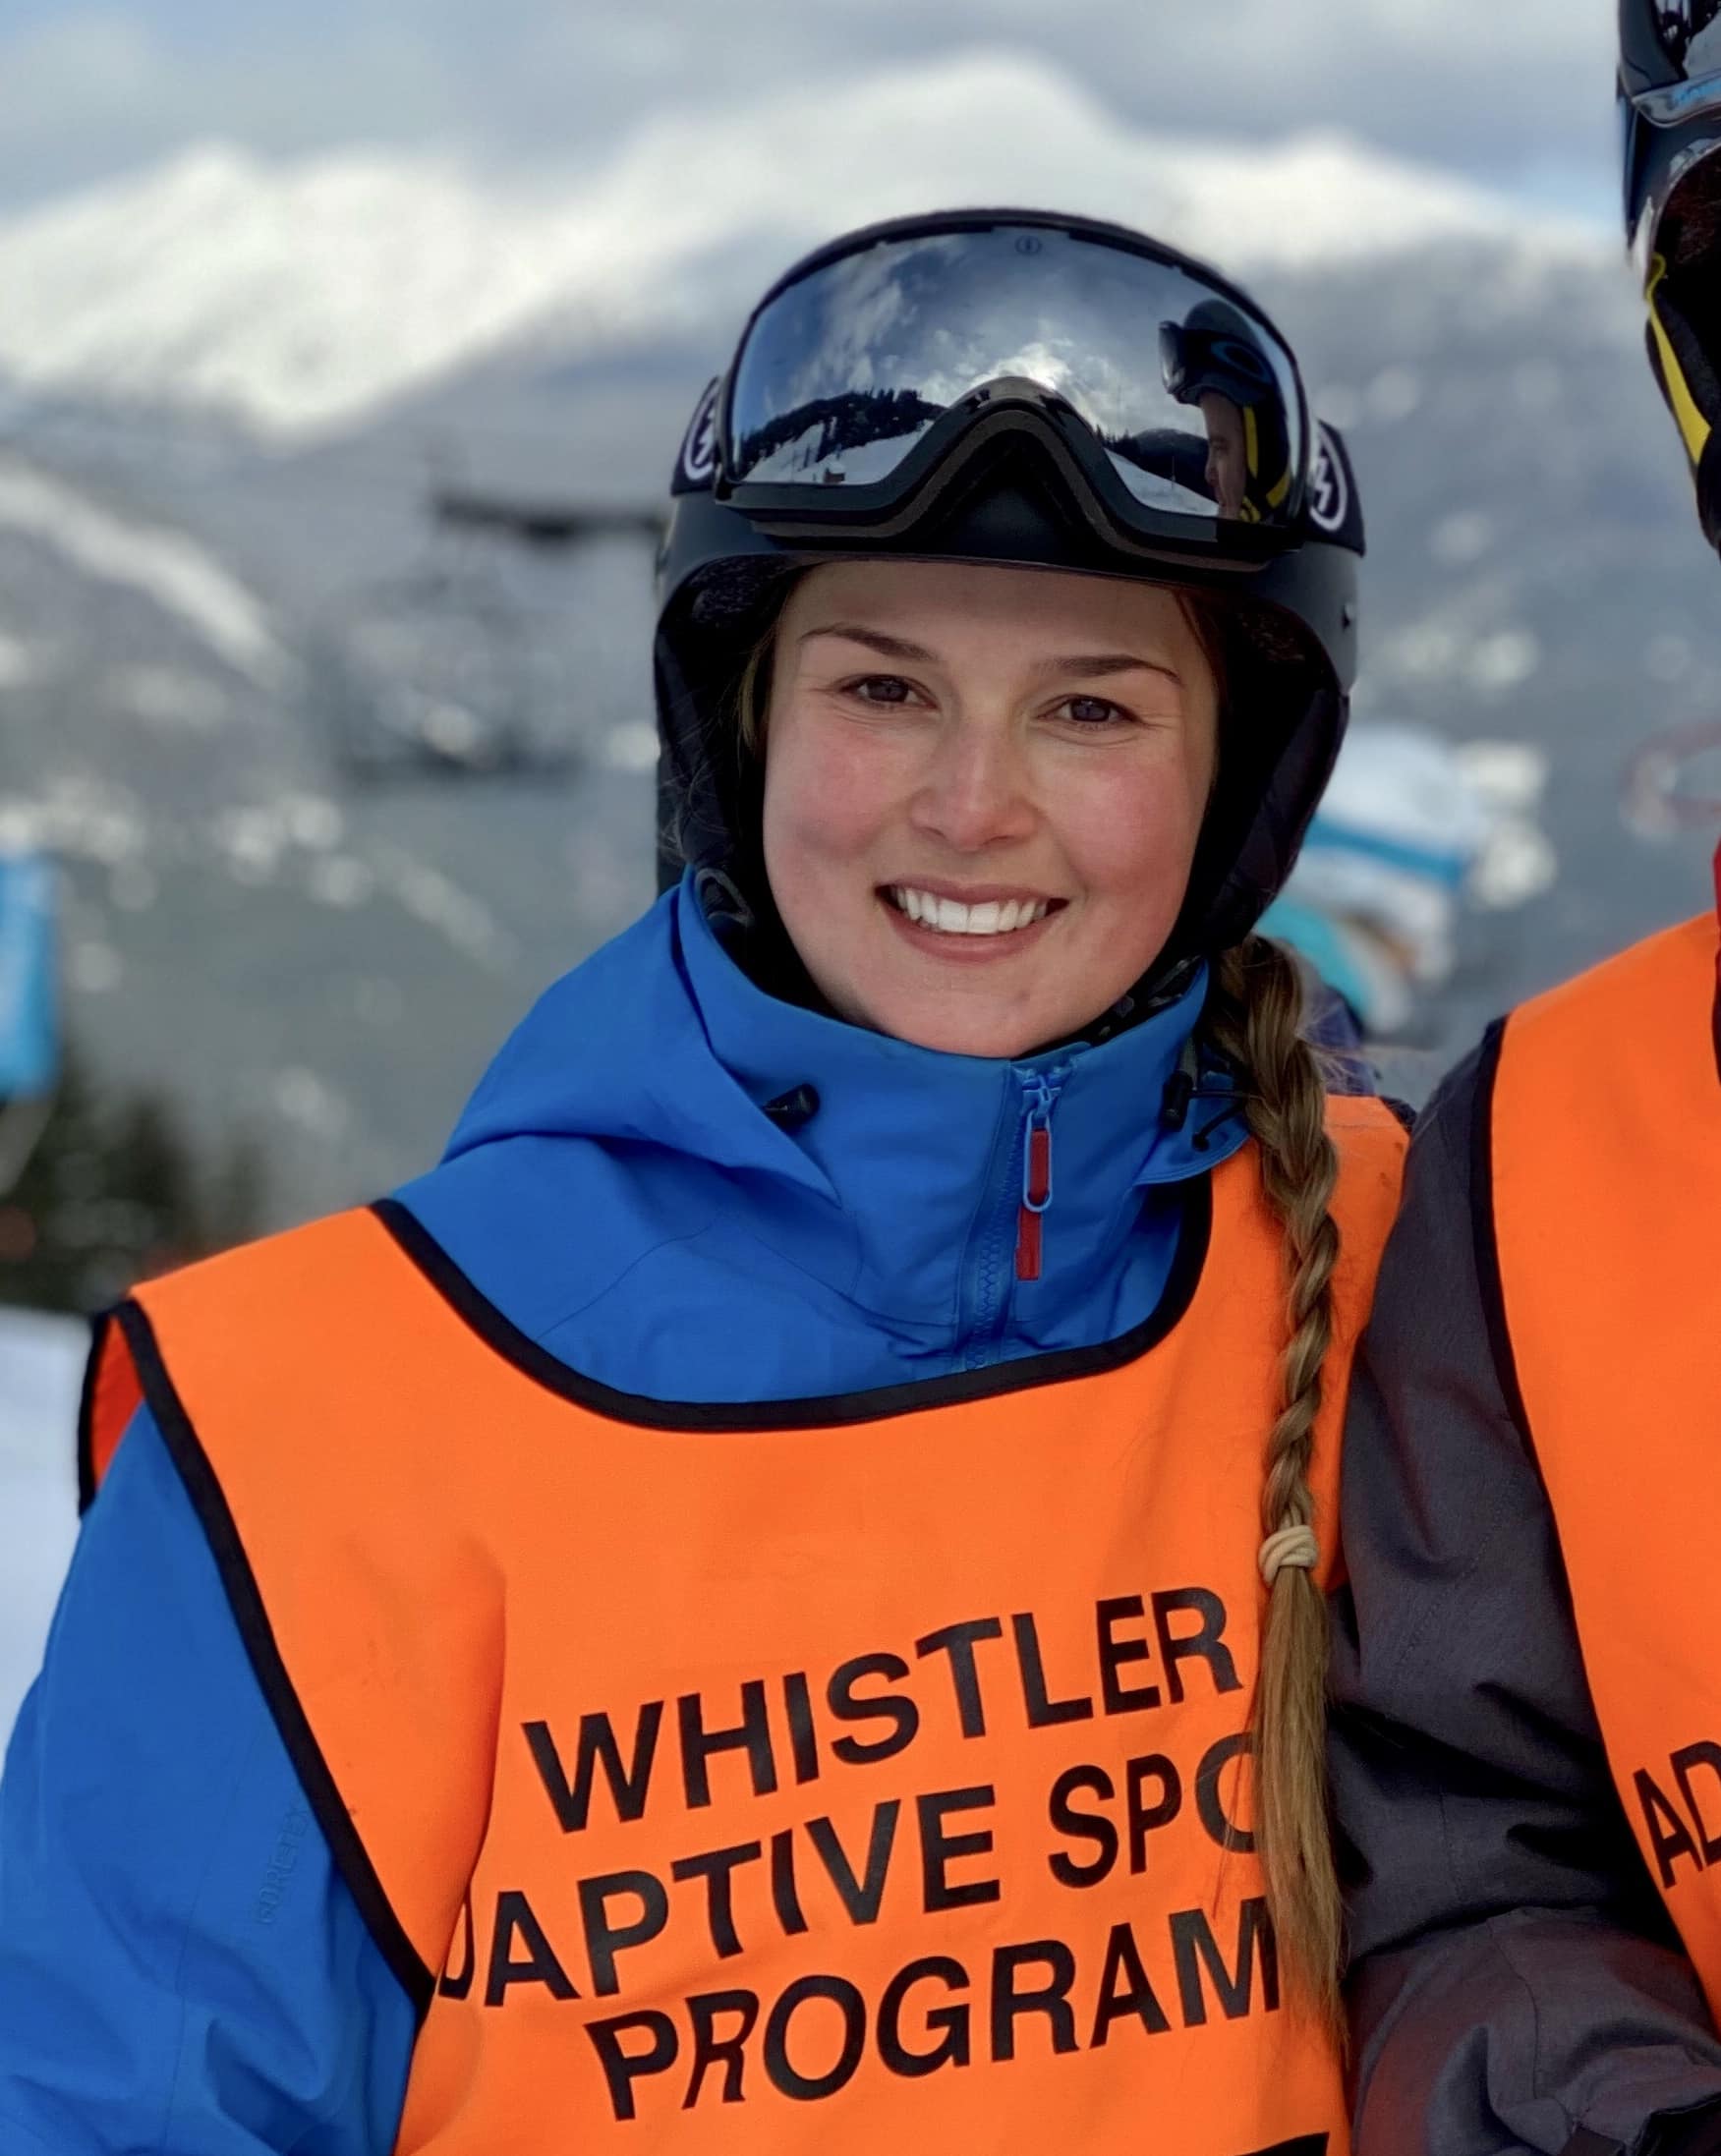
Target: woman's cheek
1133 833
834 789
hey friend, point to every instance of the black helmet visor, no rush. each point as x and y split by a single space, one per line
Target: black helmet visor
1176 397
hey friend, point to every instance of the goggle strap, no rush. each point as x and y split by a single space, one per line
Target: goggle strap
1664 323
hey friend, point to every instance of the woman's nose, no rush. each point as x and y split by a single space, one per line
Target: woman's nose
974 791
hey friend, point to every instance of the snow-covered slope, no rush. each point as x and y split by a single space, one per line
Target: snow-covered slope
303 297
168 568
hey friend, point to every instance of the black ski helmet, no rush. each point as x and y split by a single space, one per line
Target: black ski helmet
1670 122
1055 436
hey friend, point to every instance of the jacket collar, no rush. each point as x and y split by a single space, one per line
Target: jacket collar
661 1045
916 1147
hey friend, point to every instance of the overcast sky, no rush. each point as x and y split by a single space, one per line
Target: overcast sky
1517 93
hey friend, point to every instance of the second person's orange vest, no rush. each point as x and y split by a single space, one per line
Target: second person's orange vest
1606 1193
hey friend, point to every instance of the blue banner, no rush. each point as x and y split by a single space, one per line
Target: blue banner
29 1054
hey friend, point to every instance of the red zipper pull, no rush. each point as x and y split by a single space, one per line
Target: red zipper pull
1036 1186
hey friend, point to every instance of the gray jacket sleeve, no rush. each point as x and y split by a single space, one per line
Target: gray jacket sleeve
1514 1984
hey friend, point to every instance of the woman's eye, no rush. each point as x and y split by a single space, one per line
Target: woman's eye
880 688
1091 710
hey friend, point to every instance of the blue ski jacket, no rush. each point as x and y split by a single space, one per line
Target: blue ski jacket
678 1185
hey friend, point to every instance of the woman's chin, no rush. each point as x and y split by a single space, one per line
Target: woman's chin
950 1028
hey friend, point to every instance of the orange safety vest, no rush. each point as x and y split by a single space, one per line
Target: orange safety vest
1605 1132
852 1773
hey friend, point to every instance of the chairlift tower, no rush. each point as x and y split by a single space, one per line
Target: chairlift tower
435 672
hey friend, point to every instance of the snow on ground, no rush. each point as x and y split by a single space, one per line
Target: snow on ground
167 567
41 1367
300 296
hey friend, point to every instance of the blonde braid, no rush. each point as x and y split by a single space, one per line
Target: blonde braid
1254 1017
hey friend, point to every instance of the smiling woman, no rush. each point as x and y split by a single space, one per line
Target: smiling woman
777 1593
981 852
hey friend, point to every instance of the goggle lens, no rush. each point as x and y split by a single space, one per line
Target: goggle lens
1191 396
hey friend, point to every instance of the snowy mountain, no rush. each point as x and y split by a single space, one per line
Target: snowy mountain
308 296
336 791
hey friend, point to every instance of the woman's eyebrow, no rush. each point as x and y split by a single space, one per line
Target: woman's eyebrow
888 647
1095 666
1082 666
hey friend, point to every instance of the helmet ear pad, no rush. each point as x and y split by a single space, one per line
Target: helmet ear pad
1282 718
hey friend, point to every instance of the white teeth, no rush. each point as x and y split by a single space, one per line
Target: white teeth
991 917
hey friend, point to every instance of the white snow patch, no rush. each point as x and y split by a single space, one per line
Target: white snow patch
1462 537
1393 396
303 1098
339 880
631 746
1446 647
41 1364
1505 660
1518 862
299 296
313 821
166 566
79 818
1518 865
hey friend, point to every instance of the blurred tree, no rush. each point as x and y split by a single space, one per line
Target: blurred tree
112 1194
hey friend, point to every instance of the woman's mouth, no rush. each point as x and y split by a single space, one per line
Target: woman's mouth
953 916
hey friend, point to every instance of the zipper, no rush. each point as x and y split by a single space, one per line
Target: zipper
1042 1091
1020 1193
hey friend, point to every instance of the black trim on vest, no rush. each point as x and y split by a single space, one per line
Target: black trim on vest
1715 1016
99 1328
248 1613
825 1411
1487 1241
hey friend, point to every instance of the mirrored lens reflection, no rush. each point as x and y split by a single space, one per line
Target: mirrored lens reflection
1691 34
1193 400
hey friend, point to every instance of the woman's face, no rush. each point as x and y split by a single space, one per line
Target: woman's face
983 788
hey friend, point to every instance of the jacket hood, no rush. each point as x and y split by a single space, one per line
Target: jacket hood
619 1190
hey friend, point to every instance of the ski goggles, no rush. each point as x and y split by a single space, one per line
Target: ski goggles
1670 54
1669 104
875 366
